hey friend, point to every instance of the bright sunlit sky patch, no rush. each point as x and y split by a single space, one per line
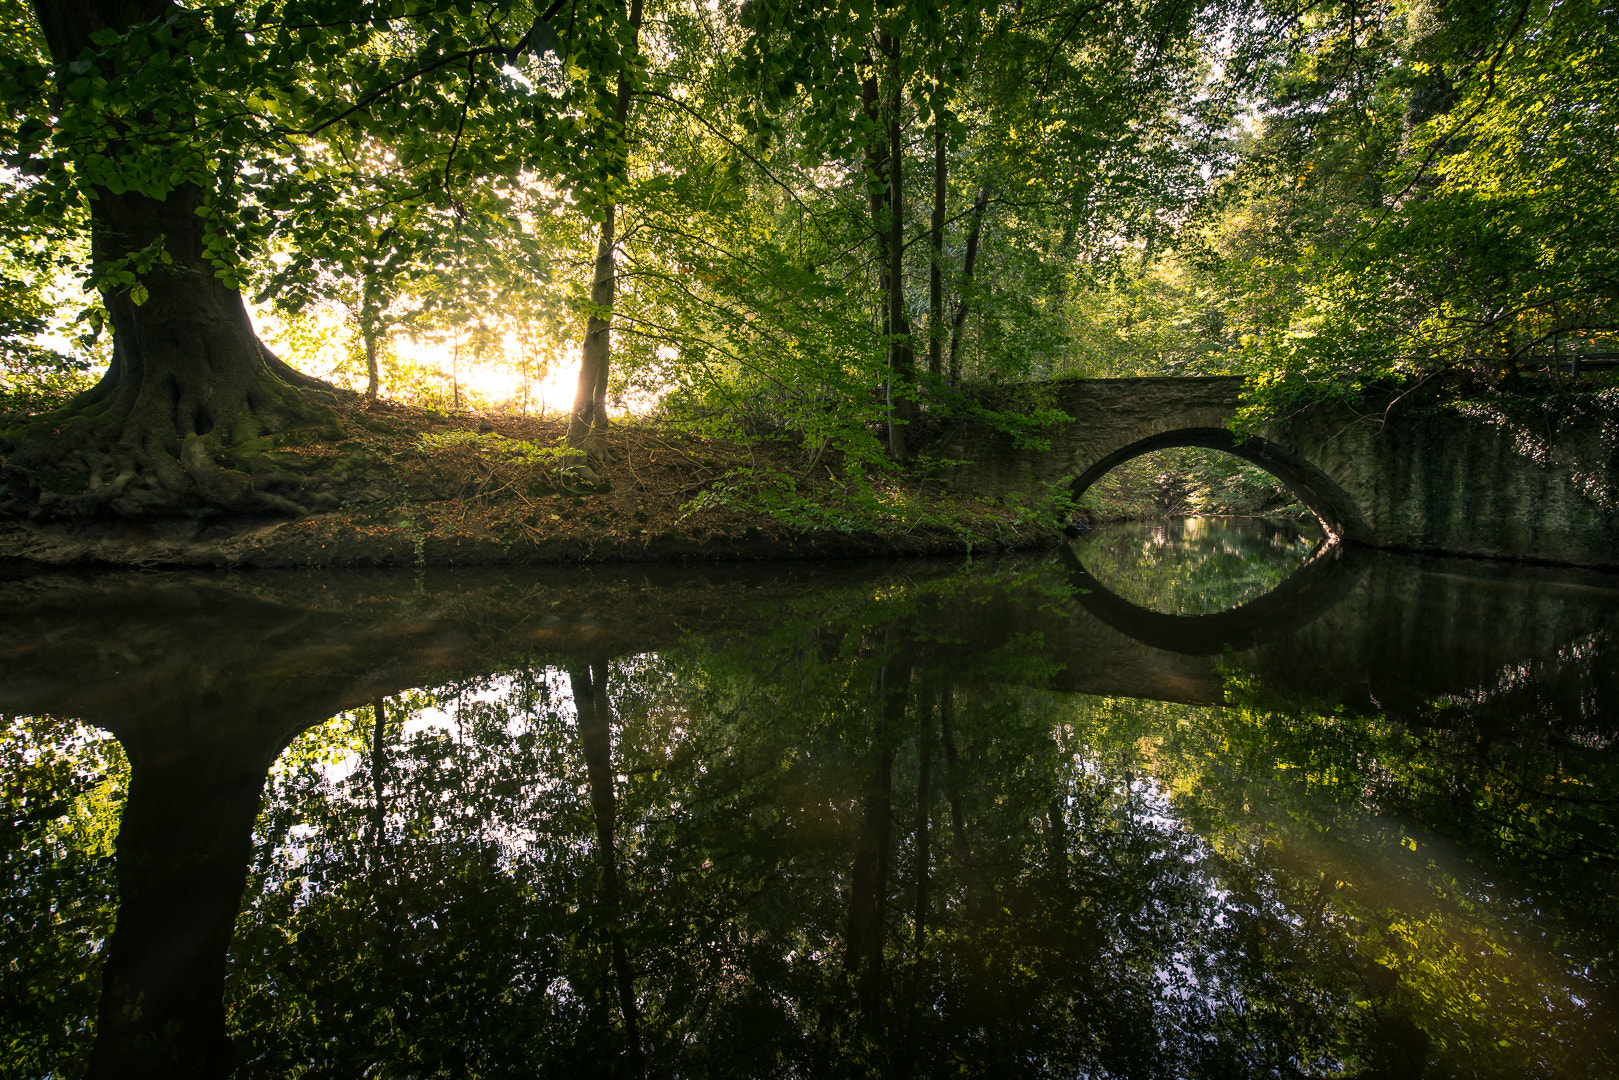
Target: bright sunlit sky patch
322 347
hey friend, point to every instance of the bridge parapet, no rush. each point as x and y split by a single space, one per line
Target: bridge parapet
1535 480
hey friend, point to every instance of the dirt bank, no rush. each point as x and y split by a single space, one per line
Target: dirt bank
406 486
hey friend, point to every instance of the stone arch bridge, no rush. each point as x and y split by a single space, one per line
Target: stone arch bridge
1522 480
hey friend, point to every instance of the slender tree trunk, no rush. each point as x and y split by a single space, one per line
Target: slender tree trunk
371 327
387 931
958 819
868 879
370 332
189 380
595 718
588 423
371 375
924 808
878 191
1057 840
936 252
968 261
379 765
901 353
589 418
881 99
455 373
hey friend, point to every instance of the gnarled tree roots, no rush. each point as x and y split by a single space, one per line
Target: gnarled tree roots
76 464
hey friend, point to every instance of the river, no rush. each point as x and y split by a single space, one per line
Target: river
1201 798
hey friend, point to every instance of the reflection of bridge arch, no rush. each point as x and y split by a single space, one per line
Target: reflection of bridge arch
1337 512
1308 593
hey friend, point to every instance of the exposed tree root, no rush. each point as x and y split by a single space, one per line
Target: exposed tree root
163 451
178 425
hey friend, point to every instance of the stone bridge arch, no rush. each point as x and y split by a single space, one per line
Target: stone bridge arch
1332 506
1115 420
1535 480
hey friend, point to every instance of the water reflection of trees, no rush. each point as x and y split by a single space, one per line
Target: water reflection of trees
1195 566
859 836
835 851
64 786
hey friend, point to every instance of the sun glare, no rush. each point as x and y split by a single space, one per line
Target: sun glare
501 384
438 371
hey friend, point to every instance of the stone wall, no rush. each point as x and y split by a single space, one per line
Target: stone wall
1533 478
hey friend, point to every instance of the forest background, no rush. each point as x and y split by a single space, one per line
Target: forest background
832 228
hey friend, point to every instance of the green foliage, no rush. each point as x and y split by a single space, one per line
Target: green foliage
1408 190
35 380
1189 480
64 789
557 457
860 504
1377 874
1326 200
1454 209
1053 122
1161 317
40 247
865 500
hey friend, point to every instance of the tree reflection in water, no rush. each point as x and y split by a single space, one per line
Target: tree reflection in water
65 784
1195 566
864 835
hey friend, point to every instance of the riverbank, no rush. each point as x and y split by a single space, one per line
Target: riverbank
406 486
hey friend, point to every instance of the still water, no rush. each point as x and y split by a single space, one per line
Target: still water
1201 799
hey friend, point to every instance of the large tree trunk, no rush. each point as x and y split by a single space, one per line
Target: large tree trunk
184 845
189 387
588 423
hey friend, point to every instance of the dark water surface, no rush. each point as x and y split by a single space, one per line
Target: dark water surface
1194 800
